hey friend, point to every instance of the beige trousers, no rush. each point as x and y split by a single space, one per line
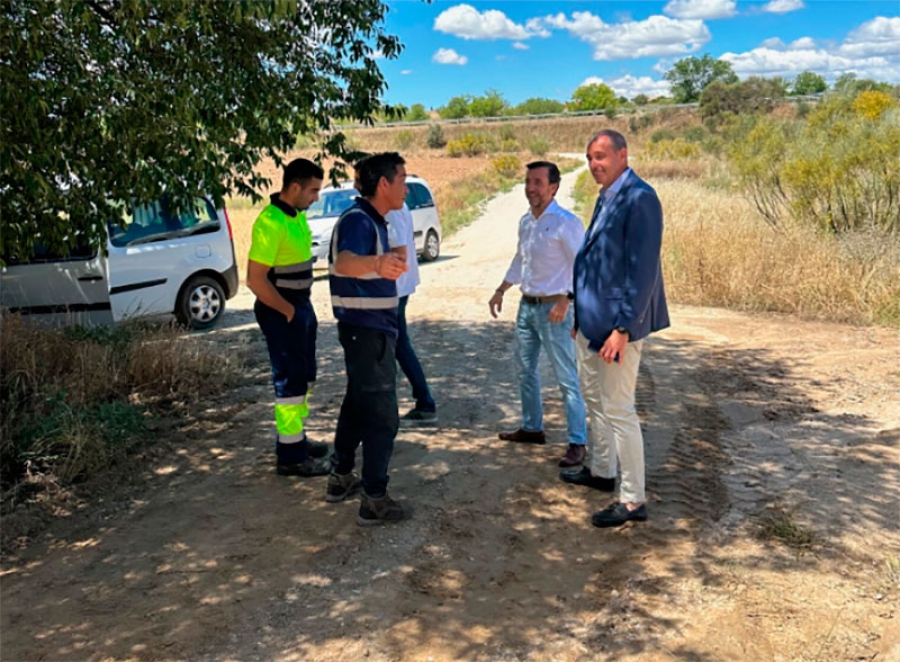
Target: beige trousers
615 441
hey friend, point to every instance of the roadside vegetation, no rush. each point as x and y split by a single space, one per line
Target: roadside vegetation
76 403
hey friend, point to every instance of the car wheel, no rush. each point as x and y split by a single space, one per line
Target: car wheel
432 247
200 304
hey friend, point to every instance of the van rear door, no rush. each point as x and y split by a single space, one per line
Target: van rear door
59 290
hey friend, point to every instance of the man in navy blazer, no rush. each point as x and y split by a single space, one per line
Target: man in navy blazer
619 300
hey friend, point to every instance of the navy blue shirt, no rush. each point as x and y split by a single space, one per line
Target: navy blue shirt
369 302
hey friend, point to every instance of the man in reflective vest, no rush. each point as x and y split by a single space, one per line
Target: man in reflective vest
280 274
363 273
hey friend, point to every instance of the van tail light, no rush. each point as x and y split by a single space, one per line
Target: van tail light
228 223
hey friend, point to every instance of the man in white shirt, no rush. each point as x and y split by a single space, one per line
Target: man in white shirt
402 240
549 239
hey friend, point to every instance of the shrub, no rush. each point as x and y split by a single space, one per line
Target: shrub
539 146
662 134
507 132
509 145
694 134
871 104
507 165
637 123
471 144
436 138
676 149
404 139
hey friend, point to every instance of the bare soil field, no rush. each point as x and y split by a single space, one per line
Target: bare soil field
758 429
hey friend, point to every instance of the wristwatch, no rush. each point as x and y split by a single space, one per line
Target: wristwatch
622 329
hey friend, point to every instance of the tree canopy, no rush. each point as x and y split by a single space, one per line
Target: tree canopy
808 82
455 109
595 96
107 101
539 106
689 76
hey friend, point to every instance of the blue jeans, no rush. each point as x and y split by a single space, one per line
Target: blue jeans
534 330
409 362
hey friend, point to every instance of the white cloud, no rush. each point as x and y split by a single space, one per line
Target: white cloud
782 6
880 36
519 46
629 86
406 72
702 9
870 51
377 55
656 36
449 56
468 23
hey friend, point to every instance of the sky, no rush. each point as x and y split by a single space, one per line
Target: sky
528 48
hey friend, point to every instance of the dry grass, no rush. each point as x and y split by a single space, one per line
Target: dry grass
73 402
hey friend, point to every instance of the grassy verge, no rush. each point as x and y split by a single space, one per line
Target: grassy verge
75 403
717 251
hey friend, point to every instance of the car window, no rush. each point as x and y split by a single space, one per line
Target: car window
332 203
154 222
418 196
42 254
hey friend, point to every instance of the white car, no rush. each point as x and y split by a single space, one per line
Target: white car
323 215
156 263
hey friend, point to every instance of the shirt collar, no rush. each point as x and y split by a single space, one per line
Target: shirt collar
367 207
552 208
613 188
283 206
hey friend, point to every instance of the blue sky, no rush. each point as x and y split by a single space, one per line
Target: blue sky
526 48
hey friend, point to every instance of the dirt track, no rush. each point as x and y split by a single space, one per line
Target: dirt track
217 558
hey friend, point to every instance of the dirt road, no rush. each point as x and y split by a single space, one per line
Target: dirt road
214 557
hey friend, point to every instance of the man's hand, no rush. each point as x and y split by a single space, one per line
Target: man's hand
613 347
559 310
390 266
496 303
290 315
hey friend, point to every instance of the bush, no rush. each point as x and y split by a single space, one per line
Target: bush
472 144
507 132
636 123
871 105
436 138
662 134
676 149
510 145
539 146
404 139
507 165
694 134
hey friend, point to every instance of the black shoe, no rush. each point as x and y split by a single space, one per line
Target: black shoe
584 477
342 487
418 418
524 436
316 449
309 467
617 514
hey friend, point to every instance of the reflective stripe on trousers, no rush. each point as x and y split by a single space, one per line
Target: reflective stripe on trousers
289 416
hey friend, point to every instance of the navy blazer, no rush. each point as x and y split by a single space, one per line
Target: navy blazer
618 275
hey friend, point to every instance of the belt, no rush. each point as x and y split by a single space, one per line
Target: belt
527 298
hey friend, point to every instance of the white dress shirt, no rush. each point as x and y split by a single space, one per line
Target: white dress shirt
546 252
400 233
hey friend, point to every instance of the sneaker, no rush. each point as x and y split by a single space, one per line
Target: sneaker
342 487
311 466
418 417
573 457
379 511
617 514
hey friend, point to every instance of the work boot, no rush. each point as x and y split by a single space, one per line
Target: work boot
309 467
342 487
380 511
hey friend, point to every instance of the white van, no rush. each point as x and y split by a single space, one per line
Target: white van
157 263
323 215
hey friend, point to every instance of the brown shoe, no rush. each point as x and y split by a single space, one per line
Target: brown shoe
573 457
524 436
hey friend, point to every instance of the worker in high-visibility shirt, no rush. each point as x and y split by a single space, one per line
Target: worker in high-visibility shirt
280 274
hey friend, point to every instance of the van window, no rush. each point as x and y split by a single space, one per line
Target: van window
43 255
332 203
418 196
155 222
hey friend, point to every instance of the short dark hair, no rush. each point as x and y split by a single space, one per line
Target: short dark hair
616 138
552 170
301 171
372 168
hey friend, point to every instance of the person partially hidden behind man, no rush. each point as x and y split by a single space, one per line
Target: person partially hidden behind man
619 300
549 238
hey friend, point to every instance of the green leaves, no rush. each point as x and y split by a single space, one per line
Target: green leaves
690 76
108 100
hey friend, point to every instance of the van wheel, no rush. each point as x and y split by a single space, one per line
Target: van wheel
432 247
200 304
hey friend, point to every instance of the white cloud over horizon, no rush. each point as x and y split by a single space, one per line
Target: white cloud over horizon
629 86
701 9
519 46
449 56
656 36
